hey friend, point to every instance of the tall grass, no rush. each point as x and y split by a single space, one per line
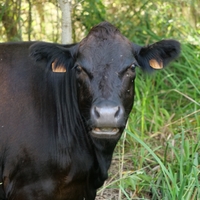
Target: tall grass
178 172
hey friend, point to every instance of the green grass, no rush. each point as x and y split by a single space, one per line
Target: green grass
178 171
170 171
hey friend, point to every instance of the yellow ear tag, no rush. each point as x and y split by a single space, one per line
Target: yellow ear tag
59 68
155 64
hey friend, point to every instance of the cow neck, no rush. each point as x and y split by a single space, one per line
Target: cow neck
103 152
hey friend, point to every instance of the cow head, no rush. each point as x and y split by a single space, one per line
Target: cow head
103 65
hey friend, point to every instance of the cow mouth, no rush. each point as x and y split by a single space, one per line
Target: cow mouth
105 132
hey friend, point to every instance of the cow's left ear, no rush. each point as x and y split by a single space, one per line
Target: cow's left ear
157 55
59 58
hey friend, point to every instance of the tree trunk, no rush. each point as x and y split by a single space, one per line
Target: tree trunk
66 37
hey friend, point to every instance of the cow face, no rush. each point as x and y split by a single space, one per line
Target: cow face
104 64
105 71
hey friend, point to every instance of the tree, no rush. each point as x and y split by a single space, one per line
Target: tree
66 36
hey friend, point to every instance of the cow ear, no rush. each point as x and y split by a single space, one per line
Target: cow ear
59 58
157 55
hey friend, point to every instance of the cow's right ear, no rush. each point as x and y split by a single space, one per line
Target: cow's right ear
58 57
157 55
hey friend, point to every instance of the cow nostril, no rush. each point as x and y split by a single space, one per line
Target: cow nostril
117 112
96 112
107 116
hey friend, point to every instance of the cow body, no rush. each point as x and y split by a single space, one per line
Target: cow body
61 117
30 149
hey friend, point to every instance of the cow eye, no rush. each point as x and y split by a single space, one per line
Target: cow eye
133 66
79 69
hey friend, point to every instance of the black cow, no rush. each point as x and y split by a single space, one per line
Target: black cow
61 117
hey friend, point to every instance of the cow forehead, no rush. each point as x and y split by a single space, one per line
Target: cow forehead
98 51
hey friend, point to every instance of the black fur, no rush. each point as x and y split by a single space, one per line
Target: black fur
60 54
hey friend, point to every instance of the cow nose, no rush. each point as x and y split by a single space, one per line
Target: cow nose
107 114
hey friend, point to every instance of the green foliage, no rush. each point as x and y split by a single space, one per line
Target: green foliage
145 21
94 9
177 177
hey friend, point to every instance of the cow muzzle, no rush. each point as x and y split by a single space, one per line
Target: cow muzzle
107 119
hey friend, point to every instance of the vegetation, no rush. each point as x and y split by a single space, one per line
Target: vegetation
158 156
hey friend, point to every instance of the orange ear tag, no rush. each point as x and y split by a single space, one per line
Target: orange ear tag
155 64
59 68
